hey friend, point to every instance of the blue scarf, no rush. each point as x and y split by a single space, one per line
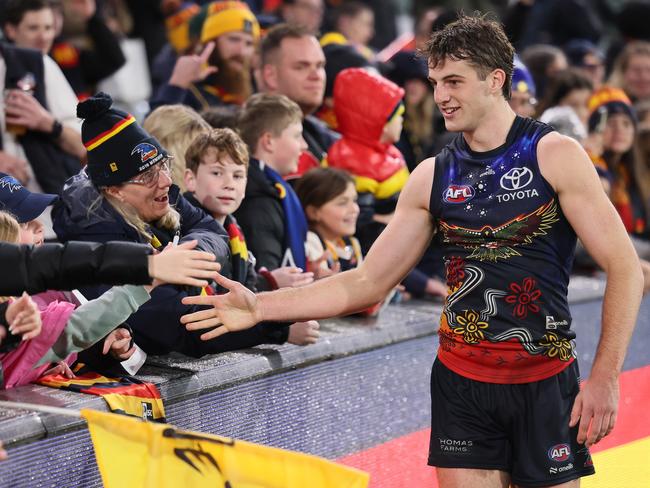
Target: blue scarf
294 218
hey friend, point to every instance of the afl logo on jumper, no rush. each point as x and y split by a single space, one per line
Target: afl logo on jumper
559 453
458 194
516 179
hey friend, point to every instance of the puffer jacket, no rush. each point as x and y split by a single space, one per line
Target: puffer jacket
363 103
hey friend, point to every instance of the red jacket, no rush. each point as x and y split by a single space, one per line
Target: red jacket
363 102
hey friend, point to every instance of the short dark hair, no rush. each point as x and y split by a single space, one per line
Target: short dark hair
225 141
321 185
14 10
274 37
478 40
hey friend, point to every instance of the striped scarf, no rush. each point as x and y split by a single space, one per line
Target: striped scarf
238 250
125 395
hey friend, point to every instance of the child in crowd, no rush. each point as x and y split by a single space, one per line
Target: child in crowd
369 112
329 198
271 215
217 164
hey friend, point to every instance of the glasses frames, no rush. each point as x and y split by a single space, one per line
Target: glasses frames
152 175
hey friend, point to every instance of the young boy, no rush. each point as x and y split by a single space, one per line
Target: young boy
271 215
216 175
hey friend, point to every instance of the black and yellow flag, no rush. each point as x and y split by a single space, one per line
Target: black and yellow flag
140 454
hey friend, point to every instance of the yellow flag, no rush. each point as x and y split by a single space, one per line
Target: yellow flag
134 453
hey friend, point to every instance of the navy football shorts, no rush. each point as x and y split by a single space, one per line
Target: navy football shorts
522 429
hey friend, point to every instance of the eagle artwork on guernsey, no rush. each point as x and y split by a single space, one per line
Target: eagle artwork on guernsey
493 243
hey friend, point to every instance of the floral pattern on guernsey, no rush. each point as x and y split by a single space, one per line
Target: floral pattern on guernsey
554 346
524 296
470 327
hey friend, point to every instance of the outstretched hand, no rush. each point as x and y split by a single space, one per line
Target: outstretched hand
180 265
236 310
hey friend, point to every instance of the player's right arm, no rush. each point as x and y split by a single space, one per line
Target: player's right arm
397 250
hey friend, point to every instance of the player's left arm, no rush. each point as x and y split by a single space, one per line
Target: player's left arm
566 166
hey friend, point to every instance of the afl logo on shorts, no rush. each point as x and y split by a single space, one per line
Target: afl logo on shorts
559 453
458 194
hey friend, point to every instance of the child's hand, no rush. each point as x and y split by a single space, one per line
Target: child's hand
24 318
304 333
321 269
289 276
118 343
61 368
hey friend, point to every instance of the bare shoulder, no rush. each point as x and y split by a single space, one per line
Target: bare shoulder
417 191
563 161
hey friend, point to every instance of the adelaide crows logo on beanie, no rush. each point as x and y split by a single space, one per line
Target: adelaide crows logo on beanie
118 148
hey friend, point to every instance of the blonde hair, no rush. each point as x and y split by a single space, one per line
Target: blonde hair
170 221
9 228
9 232
175 127
635 48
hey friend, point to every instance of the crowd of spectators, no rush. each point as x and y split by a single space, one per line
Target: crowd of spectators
277 138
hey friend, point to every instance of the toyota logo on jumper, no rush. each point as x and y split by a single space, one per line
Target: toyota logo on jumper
516 179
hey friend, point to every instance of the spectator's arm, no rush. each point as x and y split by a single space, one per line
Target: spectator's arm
95 319
71 265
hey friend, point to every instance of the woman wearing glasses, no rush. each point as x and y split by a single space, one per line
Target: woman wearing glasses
126 194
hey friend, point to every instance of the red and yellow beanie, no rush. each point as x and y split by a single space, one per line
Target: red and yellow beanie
607 101
118 148
178 26
229 16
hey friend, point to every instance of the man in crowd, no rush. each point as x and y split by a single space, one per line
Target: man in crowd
234 31
38 126
293 64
